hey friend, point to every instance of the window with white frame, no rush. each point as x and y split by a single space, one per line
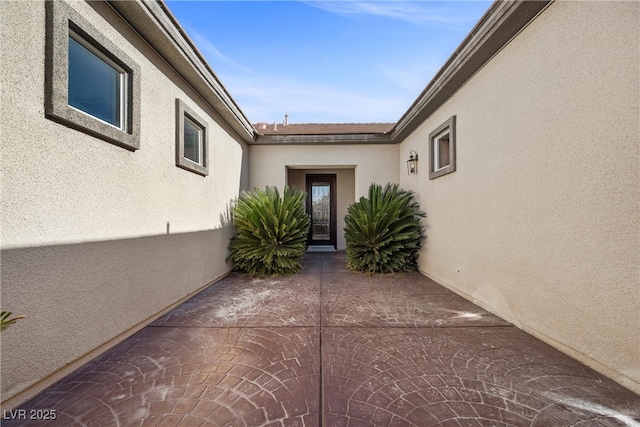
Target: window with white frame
191 140
97 85
442 149
193 137
91 84
441 154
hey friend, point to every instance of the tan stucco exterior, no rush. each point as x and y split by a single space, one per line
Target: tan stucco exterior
97 239
356 167
540 221
372 162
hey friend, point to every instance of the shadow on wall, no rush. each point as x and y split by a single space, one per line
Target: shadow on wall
78 297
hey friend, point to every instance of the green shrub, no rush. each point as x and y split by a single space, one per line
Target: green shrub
270 232
383 232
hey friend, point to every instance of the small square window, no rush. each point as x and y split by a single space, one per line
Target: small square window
442 149
191 140
441 156
91 84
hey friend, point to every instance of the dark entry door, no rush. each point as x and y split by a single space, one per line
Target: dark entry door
321 205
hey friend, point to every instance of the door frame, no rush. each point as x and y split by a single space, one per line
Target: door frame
331 179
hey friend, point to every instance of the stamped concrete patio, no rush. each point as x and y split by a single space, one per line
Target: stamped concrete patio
334 348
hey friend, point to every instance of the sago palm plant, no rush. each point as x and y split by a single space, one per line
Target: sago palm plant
383 232
270 232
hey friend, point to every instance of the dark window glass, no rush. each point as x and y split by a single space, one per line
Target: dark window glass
192 141
443 151
321 215
94 85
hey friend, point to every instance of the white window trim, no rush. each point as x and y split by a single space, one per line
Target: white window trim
200 129
448 127
184 112
124 101
436 150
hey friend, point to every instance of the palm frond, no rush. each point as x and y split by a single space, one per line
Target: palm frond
383 231
270 231
6 320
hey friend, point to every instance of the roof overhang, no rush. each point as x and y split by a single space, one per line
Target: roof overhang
335 139
497 27
153 21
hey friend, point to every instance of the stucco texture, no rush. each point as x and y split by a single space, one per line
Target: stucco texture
98 239
540 222
355 166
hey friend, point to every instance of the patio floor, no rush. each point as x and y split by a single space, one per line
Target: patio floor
334 348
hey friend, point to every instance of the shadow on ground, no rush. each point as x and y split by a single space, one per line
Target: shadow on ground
335 348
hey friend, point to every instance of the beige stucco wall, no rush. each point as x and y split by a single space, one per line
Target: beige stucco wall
540 222
97 239
356 166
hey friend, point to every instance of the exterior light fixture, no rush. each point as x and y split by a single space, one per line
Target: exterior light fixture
412 163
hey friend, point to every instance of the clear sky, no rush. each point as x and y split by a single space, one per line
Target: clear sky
335 61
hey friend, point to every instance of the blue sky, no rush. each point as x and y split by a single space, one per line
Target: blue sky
333 61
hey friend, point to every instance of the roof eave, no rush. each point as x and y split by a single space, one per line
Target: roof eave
330 139
500 24
497 27
157 26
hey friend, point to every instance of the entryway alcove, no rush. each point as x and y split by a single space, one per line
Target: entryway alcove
330 191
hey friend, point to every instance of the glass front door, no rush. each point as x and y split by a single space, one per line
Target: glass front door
321 208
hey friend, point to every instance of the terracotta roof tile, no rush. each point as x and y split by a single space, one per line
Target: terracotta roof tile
322 128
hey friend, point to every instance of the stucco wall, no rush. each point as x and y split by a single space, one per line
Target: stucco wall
345 193
98 239
375 163
372 162
540 222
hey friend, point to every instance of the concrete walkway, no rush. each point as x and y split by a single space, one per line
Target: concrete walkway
334 348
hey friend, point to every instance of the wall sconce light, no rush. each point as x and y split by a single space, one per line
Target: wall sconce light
412 163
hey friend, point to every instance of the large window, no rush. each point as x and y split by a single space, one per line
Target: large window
191 140
97 85
91 85
442 149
